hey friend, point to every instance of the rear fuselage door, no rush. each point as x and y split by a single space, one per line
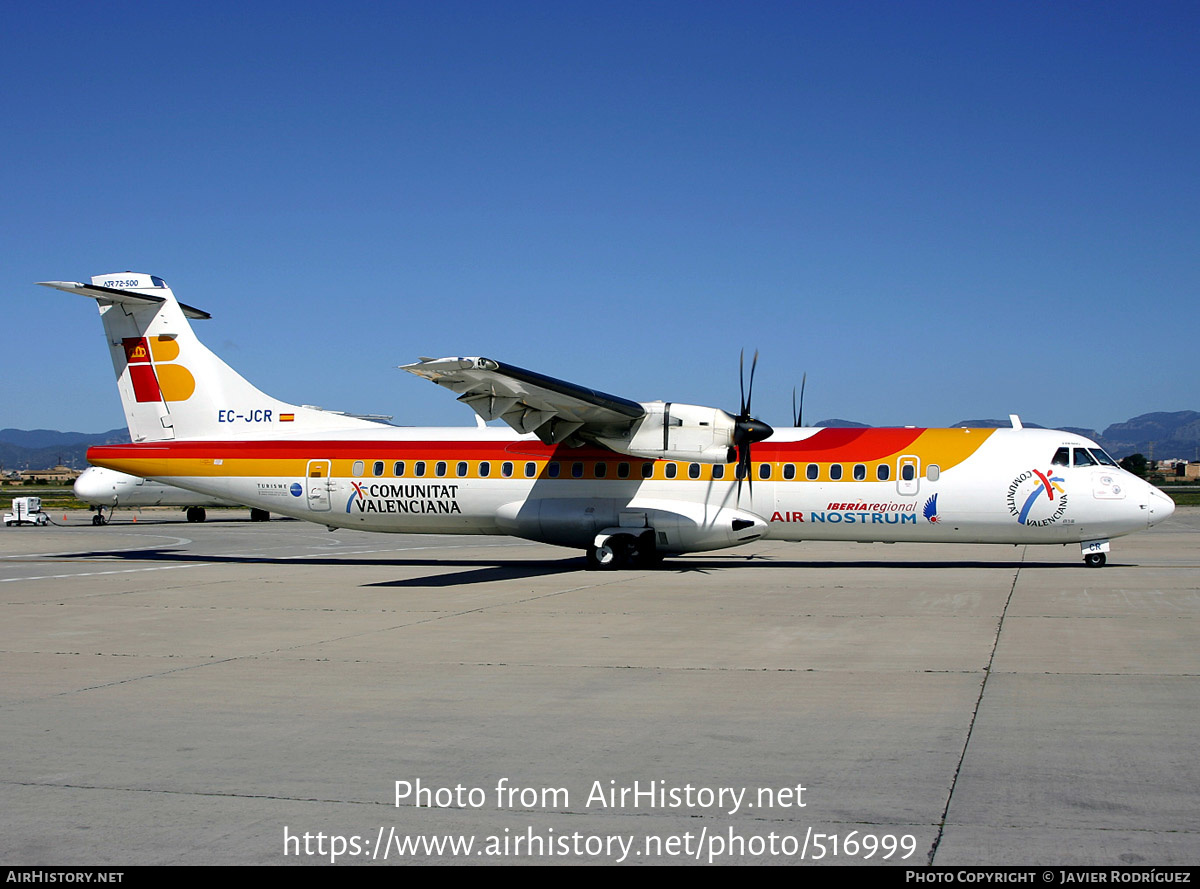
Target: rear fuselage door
317 484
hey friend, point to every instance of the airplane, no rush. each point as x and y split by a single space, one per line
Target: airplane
106 488
627 482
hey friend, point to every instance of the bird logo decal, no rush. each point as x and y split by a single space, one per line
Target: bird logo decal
930 510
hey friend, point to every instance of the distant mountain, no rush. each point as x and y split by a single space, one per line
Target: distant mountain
1005 424
992 424
49 438
842 424
1167 434
44 448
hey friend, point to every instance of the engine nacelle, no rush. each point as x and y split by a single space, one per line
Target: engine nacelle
687 432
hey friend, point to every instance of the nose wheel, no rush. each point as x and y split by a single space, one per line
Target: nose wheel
1095 552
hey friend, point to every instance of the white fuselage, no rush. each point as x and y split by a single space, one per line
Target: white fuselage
945 485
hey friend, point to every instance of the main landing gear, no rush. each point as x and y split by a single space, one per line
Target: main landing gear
1095 560
196 514
624 551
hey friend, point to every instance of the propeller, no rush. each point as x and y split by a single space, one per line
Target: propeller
798 414
746 429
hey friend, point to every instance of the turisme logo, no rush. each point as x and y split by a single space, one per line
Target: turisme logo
1036 498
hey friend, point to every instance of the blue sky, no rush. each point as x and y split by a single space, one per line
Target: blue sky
940 211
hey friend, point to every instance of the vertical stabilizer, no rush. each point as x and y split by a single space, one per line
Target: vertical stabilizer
171 385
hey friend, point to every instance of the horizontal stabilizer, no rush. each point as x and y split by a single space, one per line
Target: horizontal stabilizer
127 297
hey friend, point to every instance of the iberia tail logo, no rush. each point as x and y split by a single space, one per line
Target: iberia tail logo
151 372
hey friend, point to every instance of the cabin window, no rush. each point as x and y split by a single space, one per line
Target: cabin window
739 472
764 470
1062 457
485 469
719 471
789 471
1102 457
933 472
693 470
439 468
419 469
506 470
576 470
530 470
622 470
461 469
835 471
377 468
812 472
358 468
601 470
883 472
647 470
1083 458
908 472
672 470
552 469
398 468
860 472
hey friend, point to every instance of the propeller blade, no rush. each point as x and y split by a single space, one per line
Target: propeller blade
750 389
742 384
747 430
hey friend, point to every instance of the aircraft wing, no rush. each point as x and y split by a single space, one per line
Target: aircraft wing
554 410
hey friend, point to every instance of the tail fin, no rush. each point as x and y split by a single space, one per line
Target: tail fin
172 386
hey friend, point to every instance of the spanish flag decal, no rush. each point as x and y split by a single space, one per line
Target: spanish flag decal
287 418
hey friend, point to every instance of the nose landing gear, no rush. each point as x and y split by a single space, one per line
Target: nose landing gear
1094 553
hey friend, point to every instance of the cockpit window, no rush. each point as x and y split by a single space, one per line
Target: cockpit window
157 282
1083 458
1062 457
1101 456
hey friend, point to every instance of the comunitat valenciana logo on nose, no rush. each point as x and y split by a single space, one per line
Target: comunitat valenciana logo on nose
153 375
1036 498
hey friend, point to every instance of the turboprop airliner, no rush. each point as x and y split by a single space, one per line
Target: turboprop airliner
628 482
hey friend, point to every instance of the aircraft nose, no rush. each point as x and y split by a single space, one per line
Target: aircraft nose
91 487
1159 506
